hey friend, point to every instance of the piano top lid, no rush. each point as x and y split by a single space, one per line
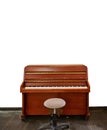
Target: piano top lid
56 67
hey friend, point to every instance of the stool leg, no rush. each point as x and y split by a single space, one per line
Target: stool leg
54 119
53 122
63 126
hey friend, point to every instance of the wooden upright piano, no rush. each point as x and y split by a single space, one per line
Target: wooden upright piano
69 82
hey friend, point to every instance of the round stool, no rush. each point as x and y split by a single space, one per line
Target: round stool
55 103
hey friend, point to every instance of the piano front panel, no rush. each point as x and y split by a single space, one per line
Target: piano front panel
76 103
34 76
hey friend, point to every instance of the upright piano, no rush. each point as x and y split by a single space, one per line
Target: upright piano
42 82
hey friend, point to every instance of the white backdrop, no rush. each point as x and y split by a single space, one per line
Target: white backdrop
52 32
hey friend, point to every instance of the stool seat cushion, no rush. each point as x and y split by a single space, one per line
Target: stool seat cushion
53 103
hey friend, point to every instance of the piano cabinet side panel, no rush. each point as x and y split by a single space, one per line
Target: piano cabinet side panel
23 114
76 103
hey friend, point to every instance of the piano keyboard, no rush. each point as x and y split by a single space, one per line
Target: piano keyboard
57 87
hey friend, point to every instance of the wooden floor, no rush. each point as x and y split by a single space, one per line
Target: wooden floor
10 120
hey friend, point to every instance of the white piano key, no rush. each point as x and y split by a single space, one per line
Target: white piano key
57 87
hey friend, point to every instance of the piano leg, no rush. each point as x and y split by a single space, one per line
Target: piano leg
87 116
